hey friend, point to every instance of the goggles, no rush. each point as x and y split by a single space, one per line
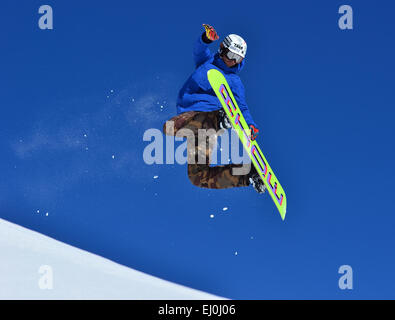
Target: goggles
229 54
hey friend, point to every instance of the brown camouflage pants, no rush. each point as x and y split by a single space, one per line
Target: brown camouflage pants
201 174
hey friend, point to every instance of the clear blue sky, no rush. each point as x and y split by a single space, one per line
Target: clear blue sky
76 100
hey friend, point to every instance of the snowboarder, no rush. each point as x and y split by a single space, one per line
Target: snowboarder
199 108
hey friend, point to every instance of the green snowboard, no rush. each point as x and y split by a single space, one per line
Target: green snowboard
228 102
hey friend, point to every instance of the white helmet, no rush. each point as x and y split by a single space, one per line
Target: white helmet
235 44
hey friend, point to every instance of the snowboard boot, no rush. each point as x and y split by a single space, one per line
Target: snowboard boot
256 181
223 120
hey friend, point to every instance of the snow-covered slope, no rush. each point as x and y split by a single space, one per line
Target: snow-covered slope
34 266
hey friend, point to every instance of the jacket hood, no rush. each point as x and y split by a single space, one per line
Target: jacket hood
221 64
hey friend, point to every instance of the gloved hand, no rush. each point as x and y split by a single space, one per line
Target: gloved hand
254 132
211 34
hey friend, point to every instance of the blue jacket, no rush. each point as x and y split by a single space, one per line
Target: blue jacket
197 94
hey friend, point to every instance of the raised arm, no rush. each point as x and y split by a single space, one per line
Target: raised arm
201 52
